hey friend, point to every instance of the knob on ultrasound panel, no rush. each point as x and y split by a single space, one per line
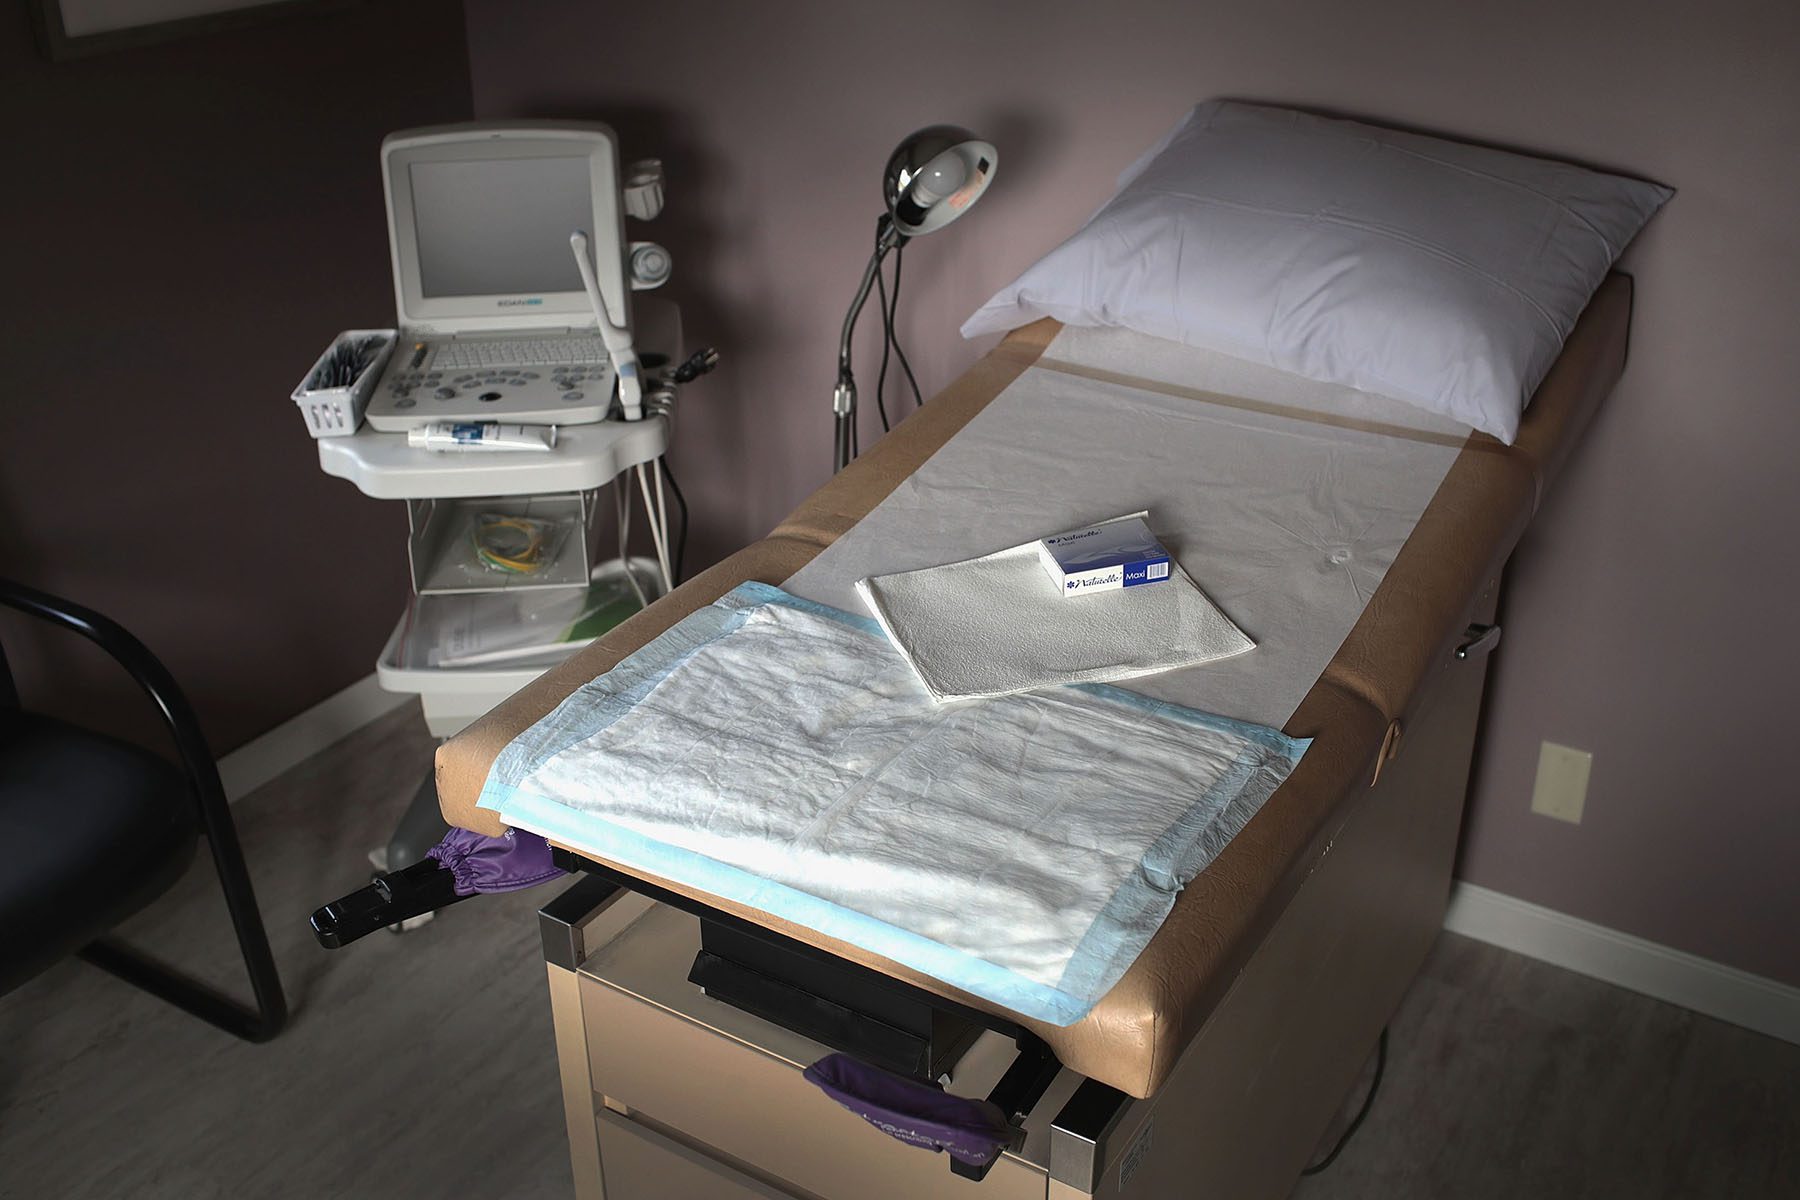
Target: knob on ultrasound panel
644 189
650 266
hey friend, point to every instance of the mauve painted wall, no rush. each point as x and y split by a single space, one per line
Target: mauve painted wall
1650 615
186 227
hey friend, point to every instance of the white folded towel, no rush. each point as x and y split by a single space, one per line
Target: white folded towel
996 625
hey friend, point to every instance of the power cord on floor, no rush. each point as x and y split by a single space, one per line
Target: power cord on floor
1361 1113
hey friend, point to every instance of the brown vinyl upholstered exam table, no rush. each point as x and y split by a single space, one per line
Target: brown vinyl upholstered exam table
1213 1067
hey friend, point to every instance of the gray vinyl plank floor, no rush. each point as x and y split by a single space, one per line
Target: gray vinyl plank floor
422 1065
1507 1077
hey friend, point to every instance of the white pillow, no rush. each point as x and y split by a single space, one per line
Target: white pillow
1438 273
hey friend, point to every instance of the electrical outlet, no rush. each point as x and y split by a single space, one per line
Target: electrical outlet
1562 782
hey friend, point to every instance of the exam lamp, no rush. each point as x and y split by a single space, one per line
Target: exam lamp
932 178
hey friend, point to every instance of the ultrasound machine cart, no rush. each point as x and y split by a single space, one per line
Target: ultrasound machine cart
508 254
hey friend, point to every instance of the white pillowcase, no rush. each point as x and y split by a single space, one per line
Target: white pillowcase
1434 272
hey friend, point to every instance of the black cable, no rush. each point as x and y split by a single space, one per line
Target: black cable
887 328
698 363
681 503
1357 1120
887 341
918 400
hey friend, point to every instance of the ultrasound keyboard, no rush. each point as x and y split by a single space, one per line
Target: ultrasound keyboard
522 352
533 380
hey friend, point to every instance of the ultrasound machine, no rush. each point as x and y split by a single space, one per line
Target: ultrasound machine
512 274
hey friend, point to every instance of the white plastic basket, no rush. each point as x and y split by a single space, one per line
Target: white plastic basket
337 411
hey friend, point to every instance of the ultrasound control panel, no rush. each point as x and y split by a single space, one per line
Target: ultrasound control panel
417 391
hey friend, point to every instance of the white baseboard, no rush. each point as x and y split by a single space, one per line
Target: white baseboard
1630 962
299 738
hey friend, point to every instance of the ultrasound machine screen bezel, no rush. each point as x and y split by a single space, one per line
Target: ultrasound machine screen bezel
499 142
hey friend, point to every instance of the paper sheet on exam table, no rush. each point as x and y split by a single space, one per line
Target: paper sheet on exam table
1153 360
1291 524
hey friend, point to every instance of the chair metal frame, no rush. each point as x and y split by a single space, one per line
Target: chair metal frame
268 1016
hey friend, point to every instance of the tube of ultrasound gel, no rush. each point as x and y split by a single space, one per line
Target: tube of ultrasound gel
481 435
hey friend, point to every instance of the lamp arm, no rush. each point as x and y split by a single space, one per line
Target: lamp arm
843 396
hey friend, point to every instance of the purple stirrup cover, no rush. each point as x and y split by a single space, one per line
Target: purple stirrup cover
918 1114
513 860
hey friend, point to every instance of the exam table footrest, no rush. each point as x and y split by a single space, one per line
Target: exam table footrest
396 896
463 864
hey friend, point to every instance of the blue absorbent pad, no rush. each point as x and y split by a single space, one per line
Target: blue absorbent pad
782 755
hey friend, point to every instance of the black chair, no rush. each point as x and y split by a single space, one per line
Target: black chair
92 829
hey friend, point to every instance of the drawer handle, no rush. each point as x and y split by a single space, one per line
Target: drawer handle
1478 640
973 1132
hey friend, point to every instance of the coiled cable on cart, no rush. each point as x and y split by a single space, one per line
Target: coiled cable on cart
511 544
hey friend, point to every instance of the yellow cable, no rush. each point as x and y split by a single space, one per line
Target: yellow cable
524 561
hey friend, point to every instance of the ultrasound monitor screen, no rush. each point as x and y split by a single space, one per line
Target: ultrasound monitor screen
499 226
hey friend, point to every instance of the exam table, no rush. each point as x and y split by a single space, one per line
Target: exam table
1216 1063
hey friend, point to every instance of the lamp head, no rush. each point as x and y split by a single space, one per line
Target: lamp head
934 176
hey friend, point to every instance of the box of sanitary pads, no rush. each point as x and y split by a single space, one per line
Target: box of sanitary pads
1104 558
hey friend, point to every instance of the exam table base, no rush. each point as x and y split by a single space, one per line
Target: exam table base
672 1094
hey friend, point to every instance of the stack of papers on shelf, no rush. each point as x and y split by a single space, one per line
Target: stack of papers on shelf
513 628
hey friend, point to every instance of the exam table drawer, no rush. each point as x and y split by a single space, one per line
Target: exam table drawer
674 1063
639 1161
